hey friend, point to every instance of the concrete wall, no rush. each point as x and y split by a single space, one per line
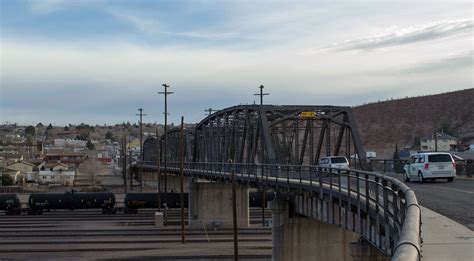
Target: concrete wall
302 238
310 239
210 204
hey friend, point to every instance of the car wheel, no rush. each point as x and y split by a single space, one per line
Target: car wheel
450 179
405 177
420 177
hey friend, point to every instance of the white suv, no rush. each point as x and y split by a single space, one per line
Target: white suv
430 165
338 162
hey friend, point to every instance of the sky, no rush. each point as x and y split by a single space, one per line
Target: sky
98 61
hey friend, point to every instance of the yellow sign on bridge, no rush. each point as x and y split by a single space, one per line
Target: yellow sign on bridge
308 115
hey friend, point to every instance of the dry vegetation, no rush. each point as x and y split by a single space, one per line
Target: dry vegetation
383 124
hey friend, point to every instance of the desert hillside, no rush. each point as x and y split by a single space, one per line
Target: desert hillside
403 121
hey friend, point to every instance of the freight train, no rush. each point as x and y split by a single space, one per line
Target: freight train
10 203
40 202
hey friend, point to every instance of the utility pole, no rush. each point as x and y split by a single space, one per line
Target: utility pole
261 94
436 140
165 93
209 111
130 164
181 172
158 178
262 154
234 213
123 157
141 147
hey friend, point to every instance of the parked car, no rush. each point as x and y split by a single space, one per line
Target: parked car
430 165
334 162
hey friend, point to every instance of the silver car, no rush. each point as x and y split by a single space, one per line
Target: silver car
430 165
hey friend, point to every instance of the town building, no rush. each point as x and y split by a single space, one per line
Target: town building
442 142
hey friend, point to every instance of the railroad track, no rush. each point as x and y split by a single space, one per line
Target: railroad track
90 235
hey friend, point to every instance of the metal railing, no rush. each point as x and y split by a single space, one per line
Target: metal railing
463 167
387 211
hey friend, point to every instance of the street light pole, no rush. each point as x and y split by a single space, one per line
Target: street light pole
165 93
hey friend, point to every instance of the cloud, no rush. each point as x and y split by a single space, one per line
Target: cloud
151 26
454 63
406 36
45 6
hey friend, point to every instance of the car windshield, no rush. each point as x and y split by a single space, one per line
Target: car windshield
339 160
439 158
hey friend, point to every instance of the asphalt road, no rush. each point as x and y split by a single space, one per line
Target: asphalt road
451 199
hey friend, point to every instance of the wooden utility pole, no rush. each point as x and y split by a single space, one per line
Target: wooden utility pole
166 93
261 94
209 111
140 173
129 162
123 157
158 178
234 213
181 171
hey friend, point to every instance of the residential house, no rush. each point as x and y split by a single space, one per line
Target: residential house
21 169
65 178
53 166
442 142
22 166
69 158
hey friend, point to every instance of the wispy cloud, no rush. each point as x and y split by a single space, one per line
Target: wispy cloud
151 25
463 60
407 36
145 25
44 6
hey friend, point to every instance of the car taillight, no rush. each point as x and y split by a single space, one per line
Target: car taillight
454 165
427 166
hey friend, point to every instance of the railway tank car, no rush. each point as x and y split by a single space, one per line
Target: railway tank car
135 201
10 203
40 202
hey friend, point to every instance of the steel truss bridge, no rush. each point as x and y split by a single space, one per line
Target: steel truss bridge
276 148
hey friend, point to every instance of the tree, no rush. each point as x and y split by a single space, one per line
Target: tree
30 130
90 168
82 137
39 125
109 135
7 180
90 145
397 164
66 128
50 126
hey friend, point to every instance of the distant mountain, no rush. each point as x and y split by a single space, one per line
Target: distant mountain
404 121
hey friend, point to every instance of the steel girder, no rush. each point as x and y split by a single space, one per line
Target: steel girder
268 134
150 146
277 134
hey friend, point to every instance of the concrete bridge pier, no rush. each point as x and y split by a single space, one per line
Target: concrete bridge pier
301 238
210 205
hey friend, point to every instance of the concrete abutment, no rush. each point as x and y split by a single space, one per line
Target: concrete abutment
210 205
301 238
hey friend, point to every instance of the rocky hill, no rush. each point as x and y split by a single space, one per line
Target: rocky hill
405 121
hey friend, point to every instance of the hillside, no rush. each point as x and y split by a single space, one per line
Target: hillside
402 121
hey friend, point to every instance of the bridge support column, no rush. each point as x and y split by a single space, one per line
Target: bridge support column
301 238
210 205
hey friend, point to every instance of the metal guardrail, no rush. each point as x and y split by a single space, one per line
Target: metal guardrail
391 204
